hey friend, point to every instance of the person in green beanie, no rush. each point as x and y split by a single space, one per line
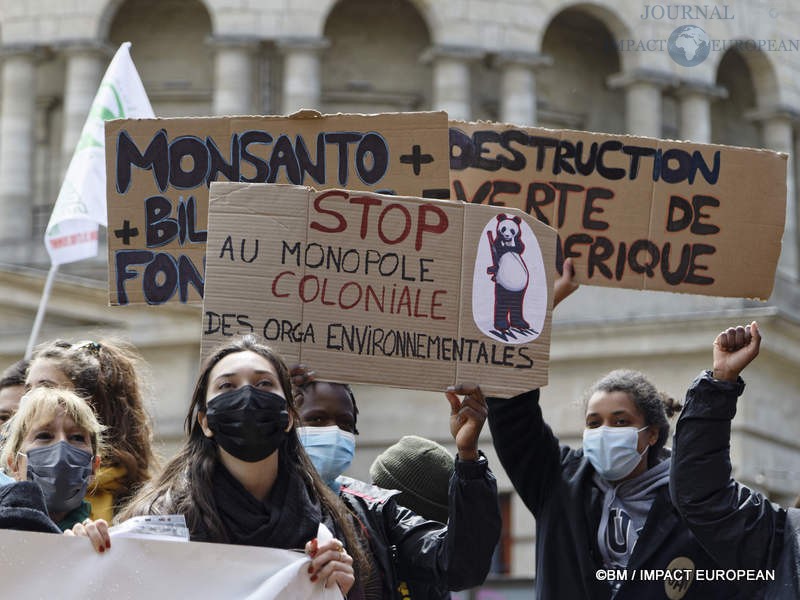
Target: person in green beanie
417 557
420 469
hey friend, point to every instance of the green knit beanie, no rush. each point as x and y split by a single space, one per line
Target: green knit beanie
420 469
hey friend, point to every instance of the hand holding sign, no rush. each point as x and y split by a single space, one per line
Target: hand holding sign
734 349
331 564
96 531
467 416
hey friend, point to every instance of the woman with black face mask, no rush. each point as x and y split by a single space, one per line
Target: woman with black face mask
54 440
242 476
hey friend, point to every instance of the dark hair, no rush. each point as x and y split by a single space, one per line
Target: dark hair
185 486
105 373
14 374
655 406
311 386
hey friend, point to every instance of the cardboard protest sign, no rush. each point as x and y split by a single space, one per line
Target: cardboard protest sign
370 288
43 565
159 170
635 212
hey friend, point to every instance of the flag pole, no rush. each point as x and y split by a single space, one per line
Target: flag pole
37 323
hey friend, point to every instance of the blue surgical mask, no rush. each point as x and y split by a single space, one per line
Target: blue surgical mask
330 449
613 451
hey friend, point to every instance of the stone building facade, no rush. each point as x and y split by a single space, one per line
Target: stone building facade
601 66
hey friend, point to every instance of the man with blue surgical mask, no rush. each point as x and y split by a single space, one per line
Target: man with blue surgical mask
328 434
416 557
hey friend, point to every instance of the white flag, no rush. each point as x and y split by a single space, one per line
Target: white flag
81 204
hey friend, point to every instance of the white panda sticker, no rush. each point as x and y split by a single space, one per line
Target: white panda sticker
509 285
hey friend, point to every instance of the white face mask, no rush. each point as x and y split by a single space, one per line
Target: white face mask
613 451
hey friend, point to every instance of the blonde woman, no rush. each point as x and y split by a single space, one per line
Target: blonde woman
55 440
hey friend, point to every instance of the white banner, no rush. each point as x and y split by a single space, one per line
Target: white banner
81 204
46 565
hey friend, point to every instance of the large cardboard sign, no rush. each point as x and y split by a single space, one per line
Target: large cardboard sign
159 170
44 565
369 288
635 212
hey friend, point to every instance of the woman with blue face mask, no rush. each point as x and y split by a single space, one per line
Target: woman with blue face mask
604 507
416 557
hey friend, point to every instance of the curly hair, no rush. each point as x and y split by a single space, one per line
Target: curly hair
105 373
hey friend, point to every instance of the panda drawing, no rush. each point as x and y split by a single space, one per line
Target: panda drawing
509 273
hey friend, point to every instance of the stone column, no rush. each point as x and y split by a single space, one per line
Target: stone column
518 86
695 109
302 80
85 64
642 100
452 90
778 134
234 74
17 122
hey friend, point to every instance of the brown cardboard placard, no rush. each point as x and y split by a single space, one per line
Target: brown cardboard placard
158 172
635 212
369 288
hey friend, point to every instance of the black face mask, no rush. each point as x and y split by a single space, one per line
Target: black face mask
248 423
63 472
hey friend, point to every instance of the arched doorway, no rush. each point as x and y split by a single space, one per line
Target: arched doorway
373 63
574 92
730 122
171 53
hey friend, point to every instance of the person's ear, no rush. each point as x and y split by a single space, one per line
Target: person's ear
652 435
290 424
13 467
95 464
203 421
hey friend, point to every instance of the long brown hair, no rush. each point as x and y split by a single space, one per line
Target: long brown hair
105 373
186 484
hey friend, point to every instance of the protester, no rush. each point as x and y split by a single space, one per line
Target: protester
54 440
105 373
242 476
12 387
605 506
420 469
417 557
740 528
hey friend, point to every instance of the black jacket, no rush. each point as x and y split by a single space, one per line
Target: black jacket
556 485
738 526
427 556
22 507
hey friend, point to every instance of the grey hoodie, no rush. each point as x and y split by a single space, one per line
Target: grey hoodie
625 509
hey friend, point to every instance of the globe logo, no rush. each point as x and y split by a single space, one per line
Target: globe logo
689 45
